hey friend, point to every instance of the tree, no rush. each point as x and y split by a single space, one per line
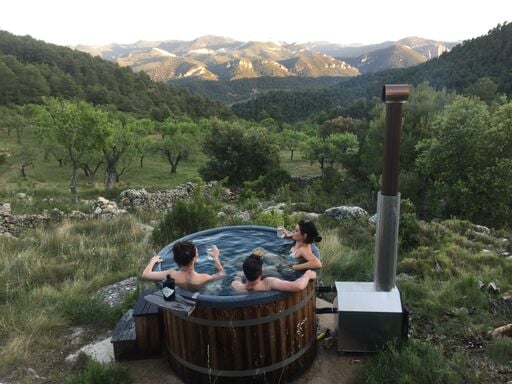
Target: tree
340 124
238 153
468 159
291 140
78 127
179 140
120 143
336 148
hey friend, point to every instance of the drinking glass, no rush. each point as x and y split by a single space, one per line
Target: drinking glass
280 232
209 250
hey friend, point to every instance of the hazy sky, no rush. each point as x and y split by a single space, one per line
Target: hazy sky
353 21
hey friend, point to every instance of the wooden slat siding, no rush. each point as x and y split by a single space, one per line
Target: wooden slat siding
291 327
283 334
272 334
248 340
211 359
261 338
203 338
244 348
223 348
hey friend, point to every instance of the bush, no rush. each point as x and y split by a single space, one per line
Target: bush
184 218
97 373
409 231
268 184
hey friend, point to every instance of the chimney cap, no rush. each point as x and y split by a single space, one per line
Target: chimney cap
395 93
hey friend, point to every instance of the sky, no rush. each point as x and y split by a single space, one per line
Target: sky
96 22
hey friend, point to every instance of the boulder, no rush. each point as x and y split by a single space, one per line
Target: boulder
345 212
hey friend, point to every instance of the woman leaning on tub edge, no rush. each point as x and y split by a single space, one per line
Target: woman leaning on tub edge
304 234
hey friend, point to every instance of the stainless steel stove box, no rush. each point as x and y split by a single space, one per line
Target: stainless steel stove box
367 318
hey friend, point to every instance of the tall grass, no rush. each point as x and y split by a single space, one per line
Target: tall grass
49 281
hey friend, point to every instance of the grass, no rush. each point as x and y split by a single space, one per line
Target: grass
49 281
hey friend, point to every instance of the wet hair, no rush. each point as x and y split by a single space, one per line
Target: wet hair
184 252
308 228
253 267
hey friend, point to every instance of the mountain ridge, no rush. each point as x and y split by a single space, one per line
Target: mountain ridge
218 55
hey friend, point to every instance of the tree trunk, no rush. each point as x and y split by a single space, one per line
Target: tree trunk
24 165
111 177
73 183
291 154
141 161
18 135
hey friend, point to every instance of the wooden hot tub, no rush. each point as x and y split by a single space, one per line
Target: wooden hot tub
264 337
240 338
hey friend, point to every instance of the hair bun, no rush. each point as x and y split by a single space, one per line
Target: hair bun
318 239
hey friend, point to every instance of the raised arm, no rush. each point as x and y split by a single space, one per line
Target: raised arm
276 284
149 274
215 255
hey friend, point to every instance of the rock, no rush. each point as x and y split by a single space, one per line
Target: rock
373 219
307 215
102 201
244 216
492 288
345 212
482 229
221 215
116 293
5 208
21 195
97 211
505 330
102 351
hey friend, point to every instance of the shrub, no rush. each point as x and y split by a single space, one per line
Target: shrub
97 373
409 231
268 184
184 218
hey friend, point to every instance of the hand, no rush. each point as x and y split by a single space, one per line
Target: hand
215 253
311 275
156 259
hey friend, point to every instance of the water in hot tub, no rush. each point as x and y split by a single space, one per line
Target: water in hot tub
234 246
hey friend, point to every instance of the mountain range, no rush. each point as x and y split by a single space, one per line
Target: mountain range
222 58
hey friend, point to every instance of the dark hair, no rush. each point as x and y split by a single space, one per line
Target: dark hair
308 228
184 252
253 267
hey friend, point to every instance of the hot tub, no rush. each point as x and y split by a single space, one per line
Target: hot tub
251 337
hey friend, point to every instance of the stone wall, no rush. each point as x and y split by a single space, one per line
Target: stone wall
161 201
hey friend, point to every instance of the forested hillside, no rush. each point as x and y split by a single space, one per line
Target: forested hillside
31 69
479 65
243 89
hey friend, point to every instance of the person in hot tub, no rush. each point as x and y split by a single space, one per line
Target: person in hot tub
253 271
304 252
185 255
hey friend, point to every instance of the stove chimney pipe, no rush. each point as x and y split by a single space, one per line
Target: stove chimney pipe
388 203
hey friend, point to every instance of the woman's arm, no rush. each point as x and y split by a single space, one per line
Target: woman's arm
290 286
312 262
149 274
